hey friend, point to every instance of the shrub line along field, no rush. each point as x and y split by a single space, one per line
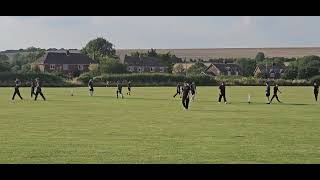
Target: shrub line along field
150 126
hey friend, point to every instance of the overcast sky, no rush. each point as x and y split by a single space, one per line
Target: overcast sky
160 31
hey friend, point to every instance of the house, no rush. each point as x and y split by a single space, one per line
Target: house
224 69
64 61
269 71
144 64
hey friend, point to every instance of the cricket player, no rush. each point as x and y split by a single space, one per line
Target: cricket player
16 89
90 86
275 93
119 89
178 90
222 93
316 90
39 90
186 96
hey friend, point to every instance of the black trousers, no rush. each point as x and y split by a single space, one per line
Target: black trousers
185 102
178 92
224 97
32 92
275 96
16 92
37 93
316 95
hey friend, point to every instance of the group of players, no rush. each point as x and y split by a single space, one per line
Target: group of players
186 91
35 89
119 88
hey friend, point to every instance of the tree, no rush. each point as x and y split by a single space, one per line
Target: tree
152 53
197 68
291 72
4 58
178 69
260 57
112 65
4 66
99 47
247 65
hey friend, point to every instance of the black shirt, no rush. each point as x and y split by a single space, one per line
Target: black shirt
222 88
129 85
316 88
178 87
17 83
119 86
186 90
33 84
38 86
268 89
90 84
275 90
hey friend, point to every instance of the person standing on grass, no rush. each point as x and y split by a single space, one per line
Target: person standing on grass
268 90
119 89
275 93
222 93
178 90
39 90
129 88
16 89
33 87
90 86
316 90
193 90
186 96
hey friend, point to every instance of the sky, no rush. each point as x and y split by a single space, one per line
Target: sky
160 32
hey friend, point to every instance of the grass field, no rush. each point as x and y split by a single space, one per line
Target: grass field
151 127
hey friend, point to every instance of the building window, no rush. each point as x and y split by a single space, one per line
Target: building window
80 67
65 67
139 69
151 69
52 66
229 73
272 75
237 73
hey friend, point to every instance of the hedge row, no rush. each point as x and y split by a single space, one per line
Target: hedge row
150 79
251 81
8 78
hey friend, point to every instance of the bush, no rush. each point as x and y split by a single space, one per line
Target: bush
8 78
315 78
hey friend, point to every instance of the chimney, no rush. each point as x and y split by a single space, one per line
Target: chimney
67 52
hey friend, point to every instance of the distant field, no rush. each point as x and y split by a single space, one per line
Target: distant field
231 52
151 127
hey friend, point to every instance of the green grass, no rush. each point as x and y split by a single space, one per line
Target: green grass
151 127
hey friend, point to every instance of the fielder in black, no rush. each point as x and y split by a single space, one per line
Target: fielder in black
316 90
222 93
268 90
90 86
39 90
275 93
16 89
119 90
185 96
178 90
129 88
33 87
